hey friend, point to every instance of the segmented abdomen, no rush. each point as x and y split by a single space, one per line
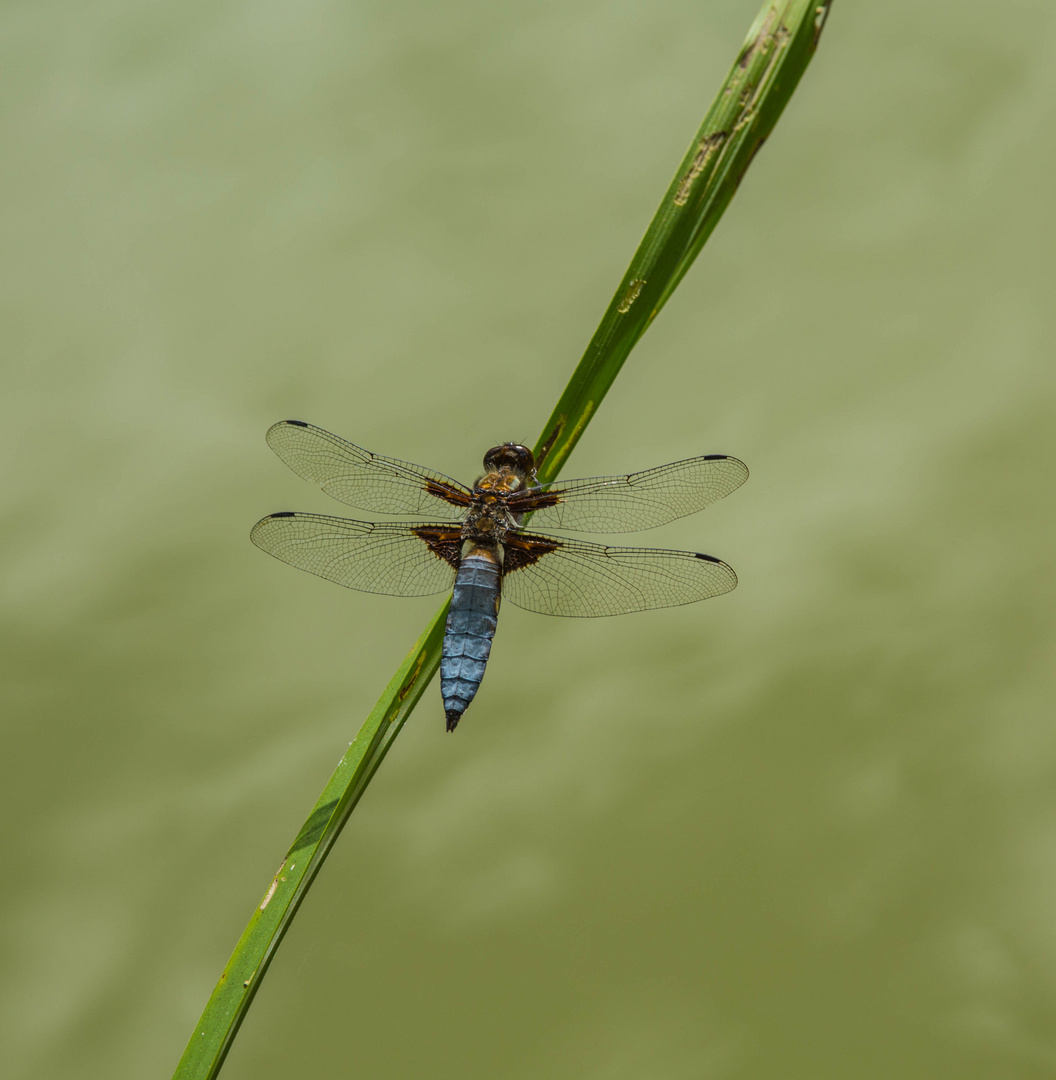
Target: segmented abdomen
471 623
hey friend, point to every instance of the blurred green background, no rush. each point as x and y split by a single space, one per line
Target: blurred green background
805 830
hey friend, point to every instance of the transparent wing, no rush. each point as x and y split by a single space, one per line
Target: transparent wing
642 500
359 478
392 558
557 576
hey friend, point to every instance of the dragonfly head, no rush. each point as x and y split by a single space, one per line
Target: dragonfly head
518 459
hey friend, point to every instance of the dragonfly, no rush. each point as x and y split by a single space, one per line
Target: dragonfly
476 542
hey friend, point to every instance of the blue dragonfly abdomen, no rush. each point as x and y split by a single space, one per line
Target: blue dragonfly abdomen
471 623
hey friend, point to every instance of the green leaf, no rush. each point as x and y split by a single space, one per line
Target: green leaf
776 52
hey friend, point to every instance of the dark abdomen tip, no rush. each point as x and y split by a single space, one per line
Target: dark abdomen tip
453 717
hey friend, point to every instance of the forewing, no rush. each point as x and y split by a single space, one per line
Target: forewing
642 500
556 576
392 558
359 478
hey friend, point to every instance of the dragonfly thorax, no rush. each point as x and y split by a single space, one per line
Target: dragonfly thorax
488 519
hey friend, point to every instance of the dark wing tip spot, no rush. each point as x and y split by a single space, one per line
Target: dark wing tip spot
283 513
297 423
716 457
708 558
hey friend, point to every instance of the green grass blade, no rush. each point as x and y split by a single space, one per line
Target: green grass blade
776 53
245 969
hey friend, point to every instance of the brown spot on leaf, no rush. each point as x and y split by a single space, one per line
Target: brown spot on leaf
705 151
549 444
629 297
408 683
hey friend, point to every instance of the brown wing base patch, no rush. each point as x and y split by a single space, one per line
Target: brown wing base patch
447 493
527 502
444 543
523 549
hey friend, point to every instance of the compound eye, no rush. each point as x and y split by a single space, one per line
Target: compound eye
511 456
